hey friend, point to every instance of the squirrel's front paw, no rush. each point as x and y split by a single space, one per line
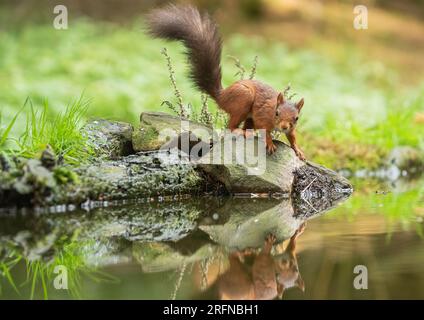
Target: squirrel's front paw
270 148
301 228
249 133
270 239
300 154
238 132
248 251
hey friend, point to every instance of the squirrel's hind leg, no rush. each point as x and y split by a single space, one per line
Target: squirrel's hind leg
248 128
235 120
237 101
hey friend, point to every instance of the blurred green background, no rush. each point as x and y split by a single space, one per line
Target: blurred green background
363 89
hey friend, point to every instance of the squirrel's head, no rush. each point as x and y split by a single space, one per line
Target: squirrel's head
287 273
287 113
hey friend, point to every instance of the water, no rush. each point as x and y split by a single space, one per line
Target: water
215 248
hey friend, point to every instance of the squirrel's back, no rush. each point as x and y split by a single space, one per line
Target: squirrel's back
201 38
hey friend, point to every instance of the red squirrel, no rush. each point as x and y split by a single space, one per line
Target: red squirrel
269 275
251 101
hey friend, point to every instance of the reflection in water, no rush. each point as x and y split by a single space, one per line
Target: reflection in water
162 237
261 276
215 248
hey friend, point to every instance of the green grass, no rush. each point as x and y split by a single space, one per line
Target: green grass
400 207
355 102
5 132
60 131
7 263
69 252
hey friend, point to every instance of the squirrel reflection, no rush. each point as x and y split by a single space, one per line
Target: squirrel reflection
261 276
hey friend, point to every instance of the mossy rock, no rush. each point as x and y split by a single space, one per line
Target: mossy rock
407 159
109 139
27 182
157 129
270 174
246 228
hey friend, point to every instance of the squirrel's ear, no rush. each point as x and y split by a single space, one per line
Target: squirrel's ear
299 105
280 99
300 284
280 291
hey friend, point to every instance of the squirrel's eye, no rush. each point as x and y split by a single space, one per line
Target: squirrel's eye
297 118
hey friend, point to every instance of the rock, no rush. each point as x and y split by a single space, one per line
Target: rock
105 232
407 158
158 128
250 222
109 139
192 229
159 257
4 162
134 176
146 221
190 145
106 251
240 165
161 173
26 182
404 184
316 189
264 174
48 158
131 177
240 224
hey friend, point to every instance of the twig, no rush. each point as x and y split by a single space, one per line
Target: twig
254 66
204 266
178 283
177 92
303 192
239 66
205 115
309 185
304 199
286 90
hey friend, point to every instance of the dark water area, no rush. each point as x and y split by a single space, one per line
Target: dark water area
220 248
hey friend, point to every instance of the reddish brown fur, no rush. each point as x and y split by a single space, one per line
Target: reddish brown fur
259 106
267 278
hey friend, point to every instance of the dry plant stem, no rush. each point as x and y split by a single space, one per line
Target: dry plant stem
205 115
254 67
178 283
239 66
177 93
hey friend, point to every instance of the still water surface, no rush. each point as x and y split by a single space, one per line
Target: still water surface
220 249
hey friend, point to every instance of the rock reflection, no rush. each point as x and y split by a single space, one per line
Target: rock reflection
232 246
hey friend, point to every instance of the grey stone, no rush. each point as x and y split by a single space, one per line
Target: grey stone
109 139
271 174
407 158
151 134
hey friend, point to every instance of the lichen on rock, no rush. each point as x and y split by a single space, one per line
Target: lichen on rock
109 139
28 182
316 188
148 135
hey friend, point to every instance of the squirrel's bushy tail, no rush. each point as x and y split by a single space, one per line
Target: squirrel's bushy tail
201 38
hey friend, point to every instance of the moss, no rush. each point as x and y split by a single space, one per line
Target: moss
109 139
146 139
347 154
64 175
